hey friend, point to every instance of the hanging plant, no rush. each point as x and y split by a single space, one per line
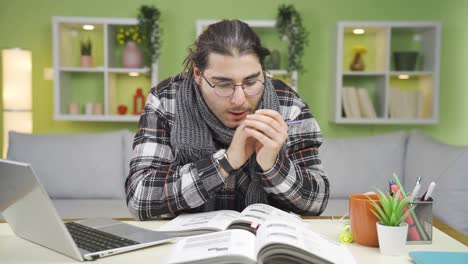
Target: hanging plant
289 25
148 21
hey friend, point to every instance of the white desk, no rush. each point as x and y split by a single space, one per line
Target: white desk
16 250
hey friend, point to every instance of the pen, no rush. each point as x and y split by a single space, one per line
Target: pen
294 122
430 190
416 189
412 216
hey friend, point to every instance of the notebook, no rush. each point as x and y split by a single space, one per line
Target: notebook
433 257
27 208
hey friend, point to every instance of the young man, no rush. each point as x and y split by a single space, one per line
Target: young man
223 135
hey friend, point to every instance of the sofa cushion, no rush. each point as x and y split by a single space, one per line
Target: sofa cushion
337 207
358 165
128 150
447 166
90 208
73 166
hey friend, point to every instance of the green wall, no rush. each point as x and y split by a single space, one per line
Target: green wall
27 24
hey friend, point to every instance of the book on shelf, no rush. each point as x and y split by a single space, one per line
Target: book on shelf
350 102
250 219
407 104
276 241
365 104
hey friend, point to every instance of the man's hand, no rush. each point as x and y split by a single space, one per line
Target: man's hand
241 148
270 132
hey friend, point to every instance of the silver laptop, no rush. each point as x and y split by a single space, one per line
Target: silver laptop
27 208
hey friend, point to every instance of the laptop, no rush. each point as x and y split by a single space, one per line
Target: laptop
27 208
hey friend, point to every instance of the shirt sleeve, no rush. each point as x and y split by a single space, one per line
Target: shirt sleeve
297 181
157 186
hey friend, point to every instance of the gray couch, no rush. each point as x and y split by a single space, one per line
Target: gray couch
85 174
359 165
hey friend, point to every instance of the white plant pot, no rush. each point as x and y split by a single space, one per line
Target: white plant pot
392 239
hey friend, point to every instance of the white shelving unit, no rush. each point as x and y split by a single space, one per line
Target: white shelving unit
202 24
398 97
107 82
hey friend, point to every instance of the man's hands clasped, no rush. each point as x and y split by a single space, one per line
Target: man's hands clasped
264 133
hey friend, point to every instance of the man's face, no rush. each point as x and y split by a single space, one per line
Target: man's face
231 110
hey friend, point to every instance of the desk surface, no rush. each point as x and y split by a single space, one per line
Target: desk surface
16 250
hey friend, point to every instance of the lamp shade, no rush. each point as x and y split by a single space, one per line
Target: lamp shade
17 92
17 79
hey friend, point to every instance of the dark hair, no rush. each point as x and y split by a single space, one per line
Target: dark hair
227 37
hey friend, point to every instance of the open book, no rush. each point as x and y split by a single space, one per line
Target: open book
252 217
277 241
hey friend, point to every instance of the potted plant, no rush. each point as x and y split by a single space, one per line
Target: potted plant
148 21
289 25
130 37
391 228
86 59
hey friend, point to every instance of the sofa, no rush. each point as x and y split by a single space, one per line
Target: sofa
359 165
85 173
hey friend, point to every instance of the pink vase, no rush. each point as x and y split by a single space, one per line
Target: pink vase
131 55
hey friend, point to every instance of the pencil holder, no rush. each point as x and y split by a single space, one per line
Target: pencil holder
420 223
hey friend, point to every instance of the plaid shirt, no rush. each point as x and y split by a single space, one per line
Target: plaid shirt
157 186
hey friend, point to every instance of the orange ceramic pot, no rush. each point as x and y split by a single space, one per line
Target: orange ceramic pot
362 220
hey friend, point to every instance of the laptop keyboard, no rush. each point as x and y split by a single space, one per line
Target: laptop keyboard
95 240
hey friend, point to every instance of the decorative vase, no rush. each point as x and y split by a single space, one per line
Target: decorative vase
86 61
392 239
358 63
74 108
98 108
138 102
405 60
131 55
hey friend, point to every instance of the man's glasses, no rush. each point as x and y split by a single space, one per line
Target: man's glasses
226 88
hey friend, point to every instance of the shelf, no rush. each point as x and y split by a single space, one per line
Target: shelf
104 86
121 88
411 73
99 118
363 73
400 90
129 70
82 69
385 121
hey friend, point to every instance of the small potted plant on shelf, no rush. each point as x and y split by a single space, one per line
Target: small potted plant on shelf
129 36
391 228
86 58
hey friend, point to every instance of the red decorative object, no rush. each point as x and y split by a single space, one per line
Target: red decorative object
122 109
138 101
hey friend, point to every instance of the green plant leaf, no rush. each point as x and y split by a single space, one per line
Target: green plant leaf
377 215
381 213
391 209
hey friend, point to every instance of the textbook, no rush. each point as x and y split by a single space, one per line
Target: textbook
250 219
277 241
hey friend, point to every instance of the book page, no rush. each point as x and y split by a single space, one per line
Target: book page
259 213
231 246
297 240
202 222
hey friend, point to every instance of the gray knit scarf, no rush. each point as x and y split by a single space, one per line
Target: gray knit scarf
196 127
